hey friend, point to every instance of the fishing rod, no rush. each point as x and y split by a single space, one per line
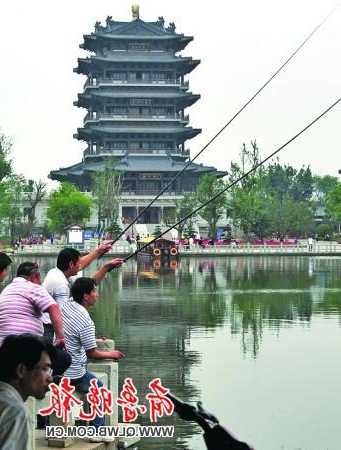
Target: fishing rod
253 169
292 55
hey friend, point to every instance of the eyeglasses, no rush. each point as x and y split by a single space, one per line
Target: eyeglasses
47 370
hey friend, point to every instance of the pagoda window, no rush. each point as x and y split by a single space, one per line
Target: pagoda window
117 145
134 111
119 110
134 146
132 76
160 111
116 75
156 76
139 46
140 101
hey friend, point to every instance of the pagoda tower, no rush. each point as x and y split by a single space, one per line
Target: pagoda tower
135 95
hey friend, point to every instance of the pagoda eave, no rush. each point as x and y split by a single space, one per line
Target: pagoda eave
182 99
87 65
84 134
95 41
133 164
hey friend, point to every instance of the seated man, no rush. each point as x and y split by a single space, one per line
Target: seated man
22 303
80 336
5 262
25 371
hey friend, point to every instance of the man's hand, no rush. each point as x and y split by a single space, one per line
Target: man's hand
59 342
113 263
104 247
116 354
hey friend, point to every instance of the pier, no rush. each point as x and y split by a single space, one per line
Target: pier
107 371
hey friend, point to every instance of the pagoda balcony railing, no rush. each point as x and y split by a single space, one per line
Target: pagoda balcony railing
151 192
175 151
154 117
110 82
124 151
103 152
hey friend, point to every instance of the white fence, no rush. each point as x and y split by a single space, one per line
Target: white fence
123 248
332 248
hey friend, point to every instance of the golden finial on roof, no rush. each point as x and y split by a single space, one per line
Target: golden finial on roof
135 9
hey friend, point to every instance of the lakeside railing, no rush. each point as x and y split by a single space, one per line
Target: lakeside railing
123 248
332 248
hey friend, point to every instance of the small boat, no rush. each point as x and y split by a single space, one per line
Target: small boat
159 249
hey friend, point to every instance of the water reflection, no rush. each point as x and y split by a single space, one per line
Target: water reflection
156 313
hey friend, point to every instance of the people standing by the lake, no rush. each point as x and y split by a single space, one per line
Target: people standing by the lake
80 337
5 262
69 262
27 372
310 244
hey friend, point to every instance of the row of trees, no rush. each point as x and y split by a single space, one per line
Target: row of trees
13 189
276 199
19 198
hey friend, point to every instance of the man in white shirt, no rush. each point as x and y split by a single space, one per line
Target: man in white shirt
69 262
25 371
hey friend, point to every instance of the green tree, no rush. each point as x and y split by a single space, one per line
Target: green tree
333 203
276 198
34 193
5 162
183 207
157 231
106 188
189 231
114 228
324 230
247 200
67 206
249 211
289 217
323 185
11 214
208 187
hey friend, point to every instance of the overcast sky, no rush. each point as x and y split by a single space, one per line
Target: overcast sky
240 43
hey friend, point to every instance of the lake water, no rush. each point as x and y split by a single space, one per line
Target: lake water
256 339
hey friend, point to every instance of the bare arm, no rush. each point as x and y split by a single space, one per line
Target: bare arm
57 321
94 353
103 248
103 270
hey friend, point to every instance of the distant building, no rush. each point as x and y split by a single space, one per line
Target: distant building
136 95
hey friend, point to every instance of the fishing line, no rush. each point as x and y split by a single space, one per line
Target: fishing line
310 35
239 179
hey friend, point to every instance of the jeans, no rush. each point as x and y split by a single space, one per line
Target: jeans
82 385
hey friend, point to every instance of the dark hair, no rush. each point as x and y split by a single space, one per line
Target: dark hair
66 256
81 286
27 269
22 349
5 261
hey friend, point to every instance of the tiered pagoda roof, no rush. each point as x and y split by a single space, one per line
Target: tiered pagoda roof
135 95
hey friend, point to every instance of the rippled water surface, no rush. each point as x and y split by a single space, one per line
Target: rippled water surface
256 339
